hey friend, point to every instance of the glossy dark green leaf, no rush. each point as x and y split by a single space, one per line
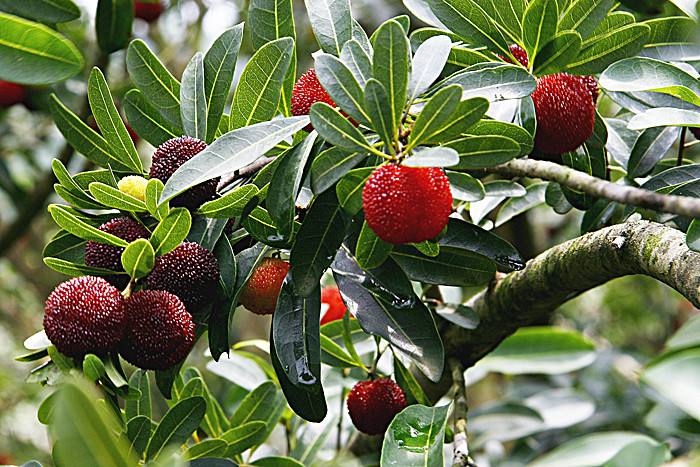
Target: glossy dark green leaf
193 105
476 152
515 206
331 22
384 304
427 64
48 11
155 82
230 152
340 83
243 437
113 24
138 430
416 437
330 166
377 105
554 197
66 246
246 262
171 231
286 184
206 231
436 115
258 91
464 187
219 67
404 378
469 112
494 81
541 25
74 199
509 130
74 225
651 146
117 199
608 49
390 65
584 16
349 189
461 234
177 425
261 227
371 251
558 52
337 130
145 120
32 53
452 266
227 265
142 405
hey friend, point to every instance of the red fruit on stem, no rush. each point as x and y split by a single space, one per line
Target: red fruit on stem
159 330
148 11
260 293
592 86
519 54
102 255
407 204
190 272
565 113
336 307
11 93
374 404
306 92
84 315
169 157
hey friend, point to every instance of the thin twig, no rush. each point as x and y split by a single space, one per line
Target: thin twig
244 172
681 147
461 456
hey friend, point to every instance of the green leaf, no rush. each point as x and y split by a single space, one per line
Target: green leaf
477 152
141 406
608 49
391 65
311 441
208 448
219 67
154 188
66 246
243 437
349 189
464 187
47 11
540 350
641 453
341 85
72 224
206 231
138 258
393 315
146 121
259 405
232 151
435 116
31 53
427 64
138 431
227 265
651 146
451 266
171 231
155 82
433 157
416 437
93 368
83 430
378 108
515 206
114 198
331 23
671 39
286 183
318 239
509 130
494 81
330 166
177 426
72 187
676 376
231 204
405 379
74 269
193 105
557 53
541 19
332 354
357 60
277 462
371 251
262 228
470 22
258 91
47 408
591 449
84 139
113 24
469 112
664 116
583 16
337 130
422 11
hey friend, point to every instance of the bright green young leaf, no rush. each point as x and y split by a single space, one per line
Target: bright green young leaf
371 251
32 53
74 269
229 205
334 355
154 188
193 99
74 225
435 116
138 258
378 108
391 65
242 437
208 448
145 120
177 426
415 437
113 24
337 130
340 83
540 22
171 231
331 22
93 368
330 166
557 53
113 198
71 186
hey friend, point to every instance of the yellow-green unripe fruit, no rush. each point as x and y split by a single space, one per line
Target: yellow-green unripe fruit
133 185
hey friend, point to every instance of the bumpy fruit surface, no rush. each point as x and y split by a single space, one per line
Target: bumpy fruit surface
565 113
374 404
336 307
592 86
11 93
102 255
133 185
159 330
169 157
407 204
519 54
306 92
84 315
260 293
190 271
148 11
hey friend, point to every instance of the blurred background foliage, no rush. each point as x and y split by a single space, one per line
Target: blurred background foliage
629 319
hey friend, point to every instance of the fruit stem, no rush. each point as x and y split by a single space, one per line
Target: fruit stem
127 291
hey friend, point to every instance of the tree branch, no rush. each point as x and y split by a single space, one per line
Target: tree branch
682 205
461 455
566 270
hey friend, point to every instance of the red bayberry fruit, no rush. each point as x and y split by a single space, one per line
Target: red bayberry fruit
306 92
84 315
148 11
159 330
102 255
11 93
565 113
407 204
374 404
336 306
190 271
260 293
169 157
519 54
592 86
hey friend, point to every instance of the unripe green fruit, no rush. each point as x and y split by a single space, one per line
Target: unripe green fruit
133 185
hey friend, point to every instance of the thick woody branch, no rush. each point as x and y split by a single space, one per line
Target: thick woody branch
682 205
562 272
